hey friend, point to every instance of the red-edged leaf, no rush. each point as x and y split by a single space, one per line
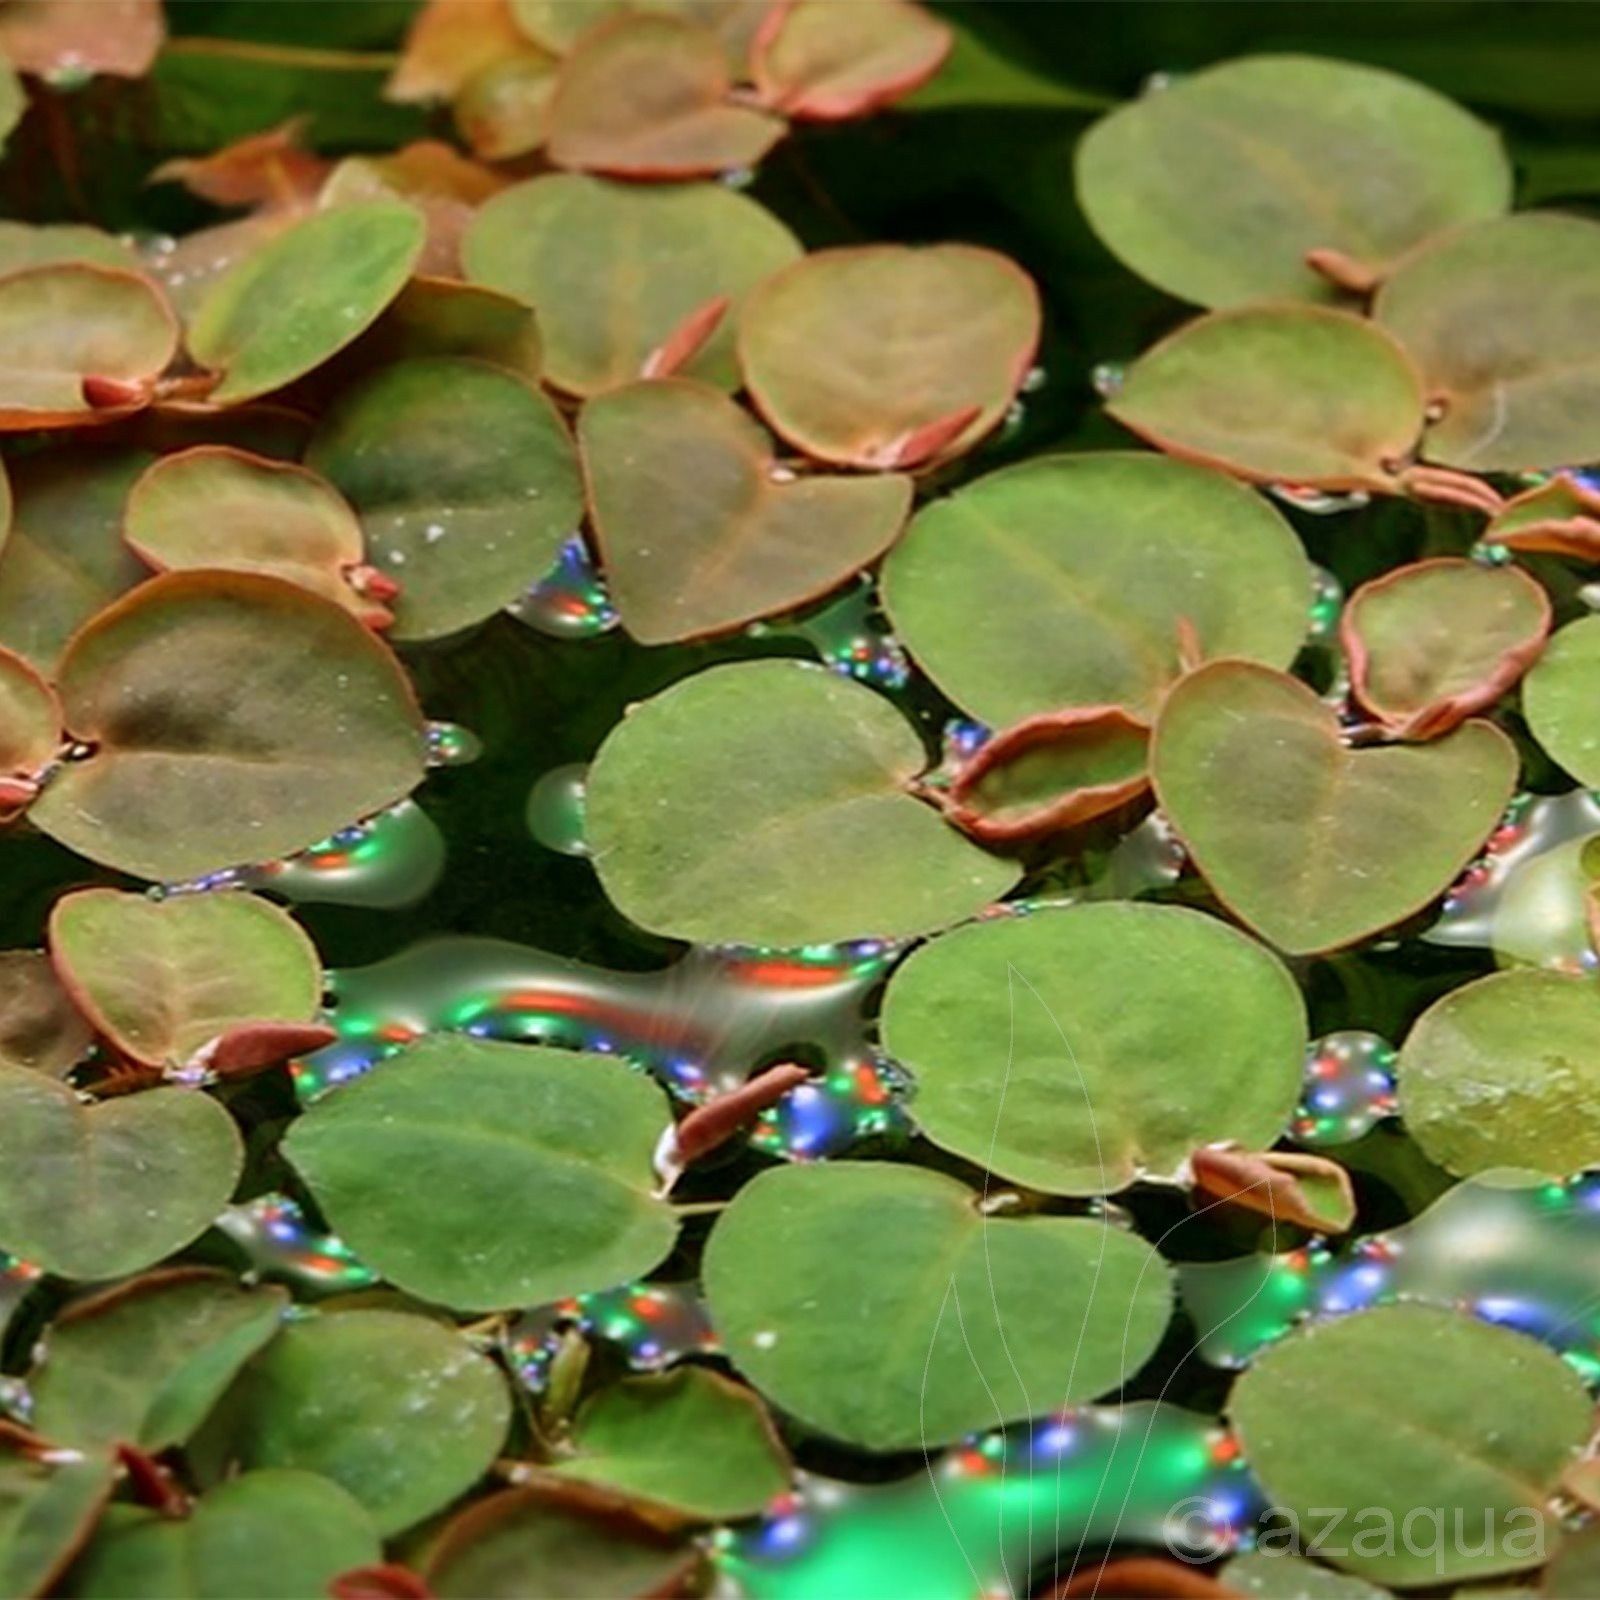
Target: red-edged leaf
63 38
687 340
265 169
1290 1187
1561 517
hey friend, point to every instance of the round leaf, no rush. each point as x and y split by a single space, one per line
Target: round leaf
399 1410
92 1191
649 96
1066 581
40 1030
1077 1050
1431 644
417 1167
1313 844
688 1440
767 803
295 1526
613 270
885 356
699 532
1505 1072
465 481
304 295
144 1363
1496 316
30 719
1279 394
234 717
1561 700
879 1304
162 978
1366 1411
1217 187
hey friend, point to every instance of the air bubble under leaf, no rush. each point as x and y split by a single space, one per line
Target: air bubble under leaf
570 246
698 532
1217 187
1066 581
1314 844
466 482
1075 1050
878 1303
767 803
1279 394
889 356
232 718
1561 699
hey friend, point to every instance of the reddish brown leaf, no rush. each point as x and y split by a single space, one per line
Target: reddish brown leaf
271 169
687 340
1141 1578
1344 271
1446 487
918 446
152 1484
450 41
1274 1183
64 38
1561 517
386 1581
714 1123
253 1046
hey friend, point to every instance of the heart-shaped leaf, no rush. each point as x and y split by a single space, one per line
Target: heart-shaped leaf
1367 1410
1493 315
1430 644
766 803
699 530
465 480
145 1362
1505 1072
820 62
297 1526
1561 699
98 1190
887 356
878 1303
214 506
234 717
689 1441
399 1410
40 1029
304 295
46 1514
416 1165
64 557
1313 844
1076 1050
649 96
1070 581
160 979
79 343
52 37
1218 187
30 731
1279 394
571 246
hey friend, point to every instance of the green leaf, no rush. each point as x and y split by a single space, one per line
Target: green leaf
465 480
558 25
571 247
64 557
1264 1575
444 317
1279 394
234 717
699 530
977 76
688 1440
1216 187
92 1191
526 1541
1077 1050
1063 582
40 1030
503 111
13 101
887 356
878 1303
68 327
1496 318
30 722
418 1165
650 96
145 1362
767 803
1505 1072
295 1526
1431 644
214 506
399 1410
24 244
1561 699
304 295
1314 844
46 1514
1366 1412
160 979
